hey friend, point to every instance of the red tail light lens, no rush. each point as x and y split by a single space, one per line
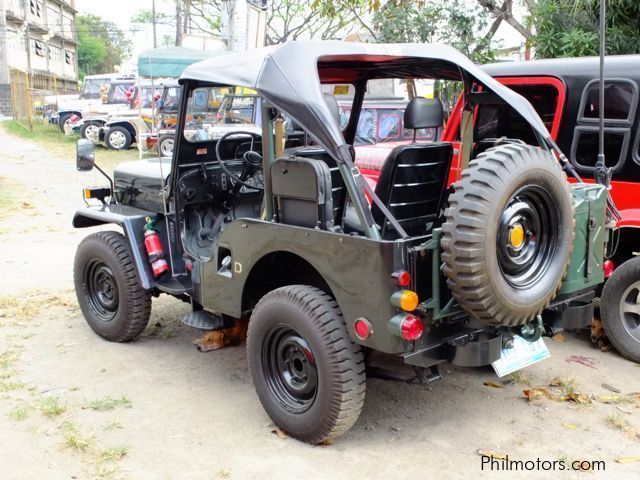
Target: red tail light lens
411 328
608 268
363 328
402 278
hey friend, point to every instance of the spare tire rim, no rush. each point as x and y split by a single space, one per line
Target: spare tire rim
289 368
117 139
528 236
102 290
630 310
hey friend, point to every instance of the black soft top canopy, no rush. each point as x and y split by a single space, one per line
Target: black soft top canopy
290 75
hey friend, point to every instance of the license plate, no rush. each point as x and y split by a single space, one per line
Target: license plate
522 355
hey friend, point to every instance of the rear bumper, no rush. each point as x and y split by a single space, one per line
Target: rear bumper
467 347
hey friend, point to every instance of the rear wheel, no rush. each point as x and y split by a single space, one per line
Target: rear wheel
107 287
620 309
118 138
508 234
165 146
308 373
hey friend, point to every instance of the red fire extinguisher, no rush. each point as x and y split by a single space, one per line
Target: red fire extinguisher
154 249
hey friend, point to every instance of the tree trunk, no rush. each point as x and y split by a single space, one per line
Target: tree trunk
178 23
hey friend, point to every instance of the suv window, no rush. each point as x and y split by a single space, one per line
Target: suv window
620 105
500 120
118 92
618 100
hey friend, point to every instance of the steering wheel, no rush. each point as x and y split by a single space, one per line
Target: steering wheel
251 160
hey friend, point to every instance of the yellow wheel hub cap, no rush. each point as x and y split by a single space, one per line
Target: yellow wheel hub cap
516 236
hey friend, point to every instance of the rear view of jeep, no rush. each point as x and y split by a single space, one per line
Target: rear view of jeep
339 279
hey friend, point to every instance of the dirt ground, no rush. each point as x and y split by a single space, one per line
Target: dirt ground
73 406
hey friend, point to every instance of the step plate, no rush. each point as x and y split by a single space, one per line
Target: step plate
204 320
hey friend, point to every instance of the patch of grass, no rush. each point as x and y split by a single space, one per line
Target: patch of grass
18 413
113 453
8 356
114 425
107 403
617 421
224 473
26 306
50 137
51 407
568 386
74 440
10 386
522 377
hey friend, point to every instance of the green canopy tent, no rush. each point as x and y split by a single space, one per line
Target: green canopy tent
170 61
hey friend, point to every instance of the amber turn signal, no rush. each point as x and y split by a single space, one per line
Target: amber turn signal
405 300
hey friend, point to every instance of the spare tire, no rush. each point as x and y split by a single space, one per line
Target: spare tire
508 234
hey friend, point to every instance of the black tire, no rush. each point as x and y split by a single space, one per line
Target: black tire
87 125
62 119
308 373
118 138
109 294
513 188
620 311
165 146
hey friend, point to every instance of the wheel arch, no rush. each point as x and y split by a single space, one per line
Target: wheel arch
127 125
133 229
628 243
278 269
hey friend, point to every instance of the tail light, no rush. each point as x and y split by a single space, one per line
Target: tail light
402 278
608 267
407 326
405 300
363 328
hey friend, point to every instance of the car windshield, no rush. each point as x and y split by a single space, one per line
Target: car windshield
146 98
237 109
170 99
118 92
93 87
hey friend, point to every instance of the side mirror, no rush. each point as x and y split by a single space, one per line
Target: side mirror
85 155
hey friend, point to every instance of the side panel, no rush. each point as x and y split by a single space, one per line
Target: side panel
356 269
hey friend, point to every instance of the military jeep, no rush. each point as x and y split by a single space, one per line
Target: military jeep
340 280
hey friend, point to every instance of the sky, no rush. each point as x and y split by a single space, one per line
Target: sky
121 11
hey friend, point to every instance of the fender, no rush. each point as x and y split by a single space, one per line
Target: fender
131 127
132 221
630 218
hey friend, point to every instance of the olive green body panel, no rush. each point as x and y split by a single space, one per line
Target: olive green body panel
356 269
585 267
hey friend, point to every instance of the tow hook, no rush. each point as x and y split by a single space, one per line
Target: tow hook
532 331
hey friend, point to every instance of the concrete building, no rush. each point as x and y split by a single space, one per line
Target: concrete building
38 37
244 24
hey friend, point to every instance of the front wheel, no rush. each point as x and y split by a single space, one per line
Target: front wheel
111 299
620 309
118 138
308 373
90 130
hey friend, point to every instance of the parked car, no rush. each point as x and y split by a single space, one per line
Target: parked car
564 92
122 129
283 235
68 106
94 116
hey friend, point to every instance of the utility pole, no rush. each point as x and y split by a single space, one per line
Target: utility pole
178 23
153 19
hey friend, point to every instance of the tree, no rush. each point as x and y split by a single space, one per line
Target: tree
101 45
294 19
570 28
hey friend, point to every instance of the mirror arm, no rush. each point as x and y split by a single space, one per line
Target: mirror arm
111 185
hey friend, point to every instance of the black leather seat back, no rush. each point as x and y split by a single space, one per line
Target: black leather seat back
414 176
303 192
